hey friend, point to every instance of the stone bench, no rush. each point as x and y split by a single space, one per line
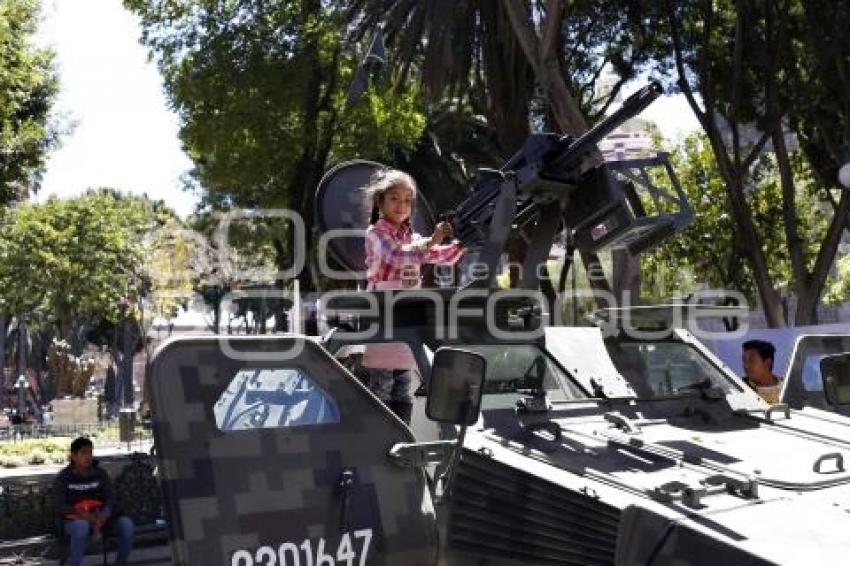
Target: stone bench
28 519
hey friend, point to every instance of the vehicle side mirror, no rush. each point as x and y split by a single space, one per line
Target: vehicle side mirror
457 379
835 373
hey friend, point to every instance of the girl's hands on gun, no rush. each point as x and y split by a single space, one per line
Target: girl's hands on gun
441 232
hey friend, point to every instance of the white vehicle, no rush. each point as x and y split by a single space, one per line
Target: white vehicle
799 351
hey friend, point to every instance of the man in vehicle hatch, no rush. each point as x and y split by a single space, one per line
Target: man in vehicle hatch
757 359
84 500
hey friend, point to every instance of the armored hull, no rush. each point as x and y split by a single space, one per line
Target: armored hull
693 477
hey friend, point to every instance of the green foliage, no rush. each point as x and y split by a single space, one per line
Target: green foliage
710 251
380 124
757 71
173 256
470 53
818 67
64 259
26 452
246 77
28 87
838 289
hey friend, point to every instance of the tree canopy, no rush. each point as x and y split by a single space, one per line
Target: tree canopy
28 87
261 88
746 64
63 260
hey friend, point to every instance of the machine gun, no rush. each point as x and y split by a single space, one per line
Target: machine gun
558 181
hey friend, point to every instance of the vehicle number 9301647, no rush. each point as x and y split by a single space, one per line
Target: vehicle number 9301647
353 549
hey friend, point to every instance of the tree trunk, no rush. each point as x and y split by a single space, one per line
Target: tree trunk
65 327
21 363
770 49
40 345
77 337
731 171
507 104
129 338
806 312
318 139
806 299
752 243
4 322
544 61
216 325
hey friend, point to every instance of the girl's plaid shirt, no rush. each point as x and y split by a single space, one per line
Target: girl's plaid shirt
394 254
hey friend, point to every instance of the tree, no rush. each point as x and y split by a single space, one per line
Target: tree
821 73
739 62
709 251
28 87
77 265
260 89
72 261
516 63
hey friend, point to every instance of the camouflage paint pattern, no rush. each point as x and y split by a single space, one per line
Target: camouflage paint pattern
263 496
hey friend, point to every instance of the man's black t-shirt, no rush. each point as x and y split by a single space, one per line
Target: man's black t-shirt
70 489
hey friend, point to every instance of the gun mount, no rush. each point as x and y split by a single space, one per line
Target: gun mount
561 182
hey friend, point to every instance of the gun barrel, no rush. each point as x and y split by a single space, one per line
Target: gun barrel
632 106
545 156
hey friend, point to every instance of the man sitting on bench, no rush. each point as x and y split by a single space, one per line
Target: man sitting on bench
84 499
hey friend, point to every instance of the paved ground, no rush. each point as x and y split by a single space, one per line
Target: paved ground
148 556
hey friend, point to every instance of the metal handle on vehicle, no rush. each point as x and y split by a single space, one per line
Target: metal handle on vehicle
783 407
690 496
622 422
839 463
748 488
346 482
420 454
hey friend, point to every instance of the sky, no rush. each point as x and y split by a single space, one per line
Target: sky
123 135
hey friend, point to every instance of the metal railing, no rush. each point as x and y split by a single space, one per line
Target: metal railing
104 433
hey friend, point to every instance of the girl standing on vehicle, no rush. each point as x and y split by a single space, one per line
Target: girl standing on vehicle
394 254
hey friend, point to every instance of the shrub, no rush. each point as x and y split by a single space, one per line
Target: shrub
33 452
58 458
37 457
12 461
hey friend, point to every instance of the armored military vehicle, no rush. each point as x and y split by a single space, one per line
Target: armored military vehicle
625 443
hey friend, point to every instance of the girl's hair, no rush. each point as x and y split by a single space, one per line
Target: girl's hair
381 182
